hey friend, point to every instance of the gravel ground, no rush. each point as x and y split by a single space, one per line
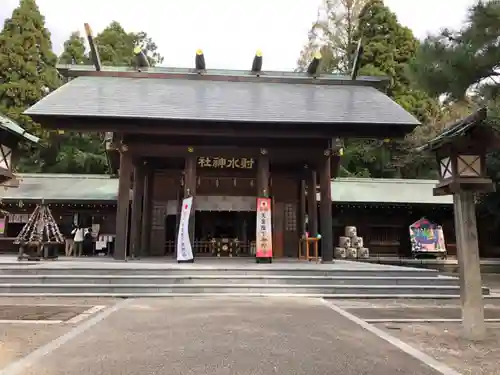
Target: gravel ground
445 343
18 340
224 336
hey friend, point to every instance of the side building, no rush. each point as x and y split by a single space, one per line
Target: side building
381 209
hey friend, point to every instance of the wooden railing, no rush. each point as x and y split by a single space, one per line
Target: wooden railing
208 248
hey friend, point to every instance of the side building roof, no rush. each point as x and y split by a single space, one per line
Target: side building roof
103 188
12 127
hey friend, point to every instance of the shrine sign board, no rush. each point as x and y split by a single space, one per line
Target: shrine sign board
219 162
264 240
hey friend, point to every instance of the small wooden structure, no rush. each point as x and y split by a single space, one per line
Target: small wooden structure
38 235
461 155
309 249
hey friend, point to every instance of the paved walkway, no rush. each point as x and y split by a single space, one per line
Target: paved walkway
219 336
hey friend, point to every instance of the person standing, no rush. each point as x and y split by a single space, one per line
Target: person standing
78 240
68 239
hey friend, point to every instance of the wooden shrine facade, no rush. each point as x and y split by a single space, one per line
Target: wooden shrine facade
224 138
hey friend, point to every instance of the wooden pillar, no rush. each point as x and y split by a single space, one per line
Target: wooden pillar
190 191
302 208
263 175
136 214
125 174
471 292
147 209
326 209
312 205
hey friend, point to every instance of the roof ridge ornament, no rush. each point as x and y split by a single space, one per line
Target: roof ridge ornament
257 63
94 52
357 60
199 61
313 68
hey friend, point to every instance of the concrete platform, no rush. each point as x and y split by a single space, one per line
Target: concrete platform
219 336
200 263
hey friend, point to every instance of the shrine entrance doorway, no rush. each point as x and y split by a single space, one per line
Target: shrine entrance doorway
225 225
225 233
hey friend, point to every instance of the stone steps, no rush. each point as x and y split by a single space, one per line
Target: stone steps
142 289
225 280
214 271
341 280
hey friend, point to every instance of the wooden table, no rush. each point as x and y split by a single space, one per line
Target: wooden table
309 243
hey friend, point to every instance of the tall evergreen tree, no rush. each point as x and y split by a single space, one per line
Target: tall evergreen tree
116 46
388 49
74 50
27 63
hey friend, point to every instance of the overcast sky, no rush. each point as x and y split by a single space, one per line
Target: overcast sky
228 31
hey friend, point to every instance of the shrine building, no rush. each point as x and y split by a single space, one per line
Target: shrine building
225 138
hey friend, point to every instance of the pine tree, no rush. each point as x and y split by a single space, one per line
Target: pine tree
457 63
27 63
74 50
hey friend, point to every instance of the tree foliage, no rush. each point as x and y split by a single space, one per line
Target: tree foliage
74 50
116 46
333 35
28 73
464 62
27 63
388 49
461 66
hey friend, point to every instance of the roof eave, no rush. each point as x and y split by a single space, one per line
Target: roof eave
457 128
15 129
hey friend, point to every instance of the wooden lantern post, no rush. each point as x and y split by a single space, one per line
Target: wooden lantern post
461 155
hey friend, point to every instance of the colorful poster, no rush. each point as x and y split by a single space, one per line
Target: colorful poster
264 240
2 226
184 248
427 237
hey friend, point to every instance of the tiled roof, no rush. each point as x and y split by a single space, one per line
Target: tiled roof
88 188
375 190
216 100
63 187
12 127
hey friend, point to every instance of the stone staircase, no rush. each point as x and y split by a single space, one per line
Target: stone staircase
135 279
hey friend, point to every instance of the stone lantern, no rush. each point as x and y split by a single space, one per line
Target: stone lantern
11 135
461 156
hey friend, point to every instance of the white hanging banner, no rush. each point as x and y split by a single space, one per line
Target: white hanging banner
184 248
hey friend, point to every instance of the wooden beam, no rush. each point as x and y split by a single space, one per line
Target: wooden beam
285 153
136 214
312 204
471 291
240 128
147 211
326 220
121 241
209 75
